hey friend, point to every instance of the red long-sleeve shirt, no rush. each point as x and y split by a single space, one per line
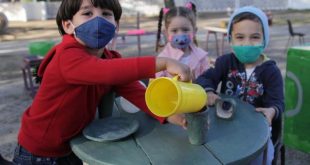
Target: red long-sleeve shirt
72 85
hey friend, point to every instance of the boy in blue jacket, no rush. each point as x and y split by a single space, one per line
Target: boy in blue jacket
247 73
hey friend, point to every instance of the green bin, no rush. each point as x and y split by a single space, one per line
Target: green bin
40 48
297 94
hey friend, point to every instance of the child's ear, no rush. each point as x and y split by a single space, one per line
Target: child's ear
68 27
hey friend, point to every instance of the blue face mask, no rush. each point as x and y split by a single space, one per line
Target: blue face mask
248 53
95 33
181 41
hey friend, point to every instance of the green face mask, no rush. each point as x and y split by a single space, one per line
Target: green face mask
248 53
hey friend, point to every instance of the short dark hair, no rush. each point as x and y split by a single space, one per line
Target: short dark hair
244 16
68 8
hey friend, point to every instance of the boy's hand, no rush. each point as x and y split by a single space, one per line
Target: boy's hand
178 119
268 113
174 68
212 97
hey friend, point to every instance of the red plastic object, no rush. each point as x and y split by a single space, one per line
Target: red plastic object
136 32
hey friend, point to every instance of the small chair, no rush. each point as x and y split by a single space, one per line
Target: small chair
31 63
37 51
293 34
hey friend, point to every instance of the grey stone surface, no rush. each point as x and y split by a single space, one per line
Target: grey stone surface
110 129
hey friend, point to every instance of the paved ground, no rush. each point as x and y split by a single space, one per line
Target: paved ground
13 46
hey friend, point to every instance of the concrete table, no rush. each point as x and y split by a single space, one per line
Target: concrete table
236 141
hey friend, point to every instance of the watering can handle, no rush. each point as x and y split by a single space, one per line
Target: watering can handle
297 109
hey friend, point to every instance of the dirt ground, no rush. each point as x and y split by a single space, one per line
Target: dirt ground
13 47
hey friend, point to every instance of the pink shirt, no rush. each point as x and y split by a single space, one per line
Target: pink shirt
197 61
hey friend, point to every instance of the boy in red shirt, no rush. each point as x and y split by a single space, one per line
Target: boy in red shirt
76 74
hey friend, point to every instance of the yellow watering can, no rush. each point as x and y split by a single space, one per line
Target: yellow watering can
167 96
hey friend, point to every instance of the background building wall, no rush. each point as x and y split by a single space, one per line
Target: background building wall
30 10
223 5
299 4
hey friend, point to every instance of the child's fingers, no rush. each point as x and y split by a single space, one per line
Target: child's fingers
261 110
211 102
184 124
178 119
212 98
265 113
186 76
